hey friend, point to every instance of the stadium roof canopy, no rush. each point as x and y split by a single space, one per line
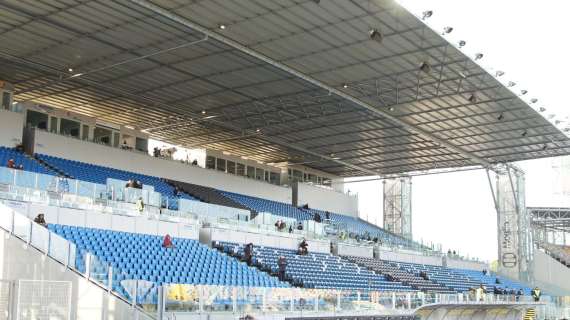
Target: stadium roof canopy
291 80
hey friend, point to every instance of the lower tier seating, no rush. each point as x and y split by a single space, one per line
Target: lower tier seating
320 271
392 270
139 256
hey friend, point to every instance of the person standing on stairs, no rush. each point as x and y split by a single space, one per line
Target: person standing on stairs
282 263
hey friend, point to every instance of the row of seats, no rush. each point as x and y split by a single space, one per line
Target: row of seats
142 257
490 280
391 269
99 174
319 271
20 158
274 207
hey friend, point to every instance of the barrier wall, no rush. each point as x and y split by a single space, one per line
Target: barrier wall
344 249
91 219
408 257
462 264
282 241
328 200
11 128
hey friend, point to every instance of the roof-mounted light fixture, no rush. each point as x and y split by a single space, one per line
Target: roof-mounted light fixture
499 73
425 67
70 69
462 43
472 98
523 92
542 109
203 111
222 26
511 84
375 35
391 108
345 85
427 14
524 133
545 146
533 100
501 117
478 56
447 30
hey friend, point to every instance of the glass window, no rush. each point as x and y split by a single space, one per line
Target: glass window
266 178
327 182
221 164
6 100
274 178
251 172
102 135
210 162
240 169
259 174
116 138
231 167
53 125
141 144
36 119
297 175
85 132
69 127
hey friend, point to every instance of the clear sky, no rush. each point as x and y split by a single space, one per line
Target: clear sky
528 41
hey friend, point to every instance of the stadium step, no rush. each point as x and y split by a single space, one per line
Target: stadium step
530 314
50 167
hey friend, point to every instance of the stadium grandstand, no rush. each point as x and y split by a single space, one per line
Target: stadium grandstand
165 159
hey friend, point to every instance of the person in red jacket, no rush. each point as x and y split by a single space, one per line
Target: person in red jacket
167 242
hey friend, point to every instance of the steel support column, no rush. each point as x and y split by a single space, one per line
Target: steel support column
398 206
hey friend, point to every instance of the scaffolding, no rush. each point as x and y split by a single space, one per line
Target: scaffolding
398 206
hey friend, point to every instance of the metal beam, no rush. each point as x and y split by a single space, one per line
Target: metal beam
216 36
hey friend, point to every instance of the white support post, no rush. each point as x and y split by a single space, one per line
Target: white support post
110 280
88 266
393 300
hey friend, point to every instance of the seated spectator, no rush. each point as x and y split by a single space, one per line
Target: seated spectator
40 219
282 263
497 281
303 248
20 167
11 164
327 215
176 191
305 206
290 229
156 152
129 184
248 253
317 217
280 225
195 162
167 242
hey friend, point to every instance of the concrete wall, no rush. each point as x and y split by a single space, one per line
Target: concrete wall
409 257
69 148
88 301
344 249
551 275
328 200
11 128
462 264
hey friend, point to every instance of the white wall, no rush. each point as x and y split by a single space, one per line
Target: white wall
550 274
328 200
88 301
344 249
11 128
408 257
470 265
91 219
69 148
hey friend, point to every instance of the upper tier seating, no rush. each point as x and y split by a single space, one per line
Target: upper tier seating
98 174
207 194
361 227
393 270
20 158
489 280
263 205
321 271
139 256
